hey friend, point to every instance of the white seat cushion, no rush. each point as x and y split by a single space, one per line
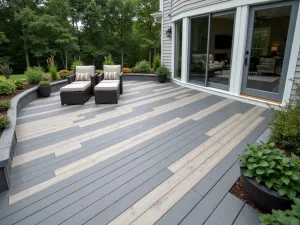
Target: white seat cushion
109 81
76 86
107 86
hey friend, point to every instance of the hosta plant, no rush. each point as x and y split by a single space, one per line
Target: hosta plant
270 166
278 217
20 84
4 105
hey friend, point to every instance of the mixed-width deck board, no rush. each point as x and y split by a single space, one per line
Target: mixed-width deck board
164 155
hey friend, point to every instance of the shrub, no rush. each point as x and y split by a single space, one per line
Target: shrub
156 63
4 105
270 166
286 123
76 62
98 71
108 60
20 84
4 121
126 70
6 70
34 74
46 78
279 217
64 74
52 68
162 71
44 83
141 67
7 87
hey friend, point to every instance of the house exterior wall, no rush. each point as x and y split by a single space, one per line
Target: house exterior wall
166 41
296 78
174 10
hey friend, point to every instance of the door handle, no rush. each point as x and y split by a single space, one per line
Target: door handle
246 61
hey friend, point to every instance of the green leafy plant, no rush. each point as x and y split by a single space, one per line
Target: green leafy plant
76 62
46 78
52 68
4 121
64 74
270 166
20 84
162 71
156 63
7 87
34 74
141 67
279 217
4 105
6 70
286 123
108 60
44 83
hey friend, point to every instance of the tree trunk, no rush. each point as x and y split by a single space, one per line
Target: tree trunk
66 60
25 47
122 57
154 51
150 56
27 58
62 59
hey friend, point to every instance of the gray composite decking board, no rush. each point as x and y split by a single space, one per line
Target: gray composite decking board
216 173
109 165
130 170
181 209
210 201
105 138
247 216
226 211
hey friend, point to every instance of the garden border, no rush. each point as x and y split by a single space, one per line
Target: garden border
8 139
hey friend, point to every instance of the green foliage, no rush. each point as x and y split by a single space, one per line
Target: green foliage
286 123
279 217
163 71
270 166
52 68
4 105
156 63
4 121
44 83
108 60
20 84
6 70
76 62
46 78
34 74
64 74
7 87
141 67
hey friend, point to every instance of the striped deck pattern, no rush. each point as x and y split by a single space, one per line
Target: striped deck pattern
158 157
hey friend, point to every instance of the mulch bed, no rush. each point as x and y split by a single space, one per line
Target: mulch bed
238 191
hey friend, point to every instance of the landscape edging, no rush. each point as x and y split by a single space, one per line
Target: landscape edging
8 139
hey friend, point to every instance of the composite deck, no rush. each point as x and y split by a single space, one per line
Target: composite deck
164 155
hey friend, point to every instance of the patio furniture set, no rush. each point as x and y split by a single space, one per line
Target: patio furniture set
106 87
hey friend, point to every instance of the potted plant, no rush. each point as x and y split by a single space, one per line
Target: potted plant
162 73
270 178
44 87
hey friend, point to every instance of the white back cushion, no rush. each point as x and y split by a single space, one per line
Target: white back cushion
112 68
85 69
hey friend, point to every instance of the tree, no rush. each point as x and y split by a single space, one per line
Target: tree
120 15
3 38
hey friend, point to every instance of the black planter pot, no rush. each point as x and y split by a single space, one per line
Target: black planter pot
162 79
44 91
263 197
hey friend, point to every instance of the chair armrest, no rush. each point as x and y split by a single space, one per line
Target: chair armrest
100 77
121 83
121 74
94 80
71 78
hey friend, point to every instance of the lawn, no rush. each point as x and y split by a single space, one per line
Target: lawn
15 77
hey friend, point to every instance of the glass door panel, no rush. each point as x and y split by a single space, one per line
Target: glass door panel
220 50
268 49
198 49
178 49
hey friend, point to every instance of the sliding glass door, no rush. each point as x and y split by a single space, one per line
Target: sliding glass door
211 38
178 49
270 34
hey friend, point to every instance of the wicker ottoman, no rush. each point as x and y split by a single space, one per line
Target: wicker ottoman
76 93
107 92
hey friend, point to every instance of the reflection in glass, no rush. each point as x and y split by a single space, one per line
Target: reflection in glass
178 49
221 35
198 49
268 48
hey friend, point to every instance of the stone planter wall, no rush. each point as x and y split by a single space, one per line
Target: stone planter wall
140 76
8 139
